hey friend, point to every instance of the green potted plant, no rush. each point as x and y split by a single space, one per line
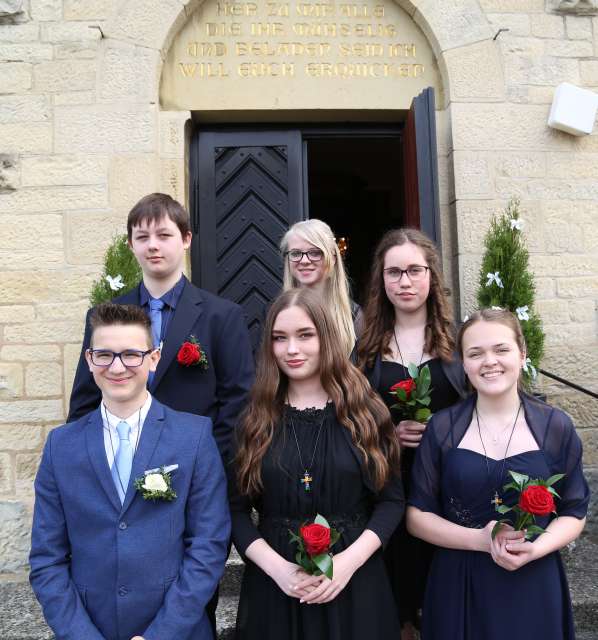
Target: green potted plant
121 272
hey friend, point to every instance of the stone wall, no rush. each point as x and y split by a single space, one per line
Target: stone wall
82 137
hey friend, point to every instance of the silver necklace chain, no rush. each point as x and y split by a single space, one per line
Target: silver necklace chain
495 438
394 333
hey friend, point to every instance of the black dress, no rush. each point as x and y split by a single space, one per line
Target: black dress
342 493
407 558
468 596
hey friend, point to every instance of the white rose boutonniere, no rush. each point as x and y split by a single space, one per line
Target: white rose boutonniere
156 485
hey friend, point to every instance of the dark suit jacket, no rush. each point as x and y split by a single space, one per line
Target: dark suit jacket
106 571
218 392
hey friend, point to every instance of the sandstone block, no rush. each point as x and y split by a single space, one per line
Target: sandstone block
69 32
60 170
513 6
585 212
24 109
570 265
545 25
15 229
89 9
26 466
585 287
19 32
15 77
71 98
172 133
573 363
31 411
21 437
120 76
464 64
512 188
472 175
10 7
589 438
15 525
43 380
16 313
30 353
130 178
30 52
468 281
36 137
588 70
58 311
11 381
146 23
102 129
101 226
568 48
520 164
505 127
560 236
566 189
568 334
10 174
29 258
38 286
443 132
446 184
518 24
547 70
572 165
526 94
44 10
582 409
590 238
451 24
545 288
473 218
87 50
65 75
72 353
578 27
43 332
172 176
54 199
553 311
6 483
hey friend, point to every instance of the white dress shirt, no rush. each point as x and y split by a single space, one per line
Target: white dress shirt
135 421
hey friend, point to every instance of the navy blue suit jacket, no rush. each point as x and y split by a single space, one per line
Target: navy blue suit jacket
106 571
219 392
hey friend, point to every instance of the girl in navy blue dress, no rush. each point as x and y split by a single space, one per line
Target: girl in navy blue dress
507 587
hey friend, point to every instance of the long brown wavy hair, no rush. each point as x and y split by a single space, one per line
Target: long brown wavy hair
379 313
358 407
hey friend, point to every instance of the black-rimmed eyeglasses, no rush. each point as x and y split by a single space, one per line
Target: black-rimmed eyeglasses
414 271
130 358
313 255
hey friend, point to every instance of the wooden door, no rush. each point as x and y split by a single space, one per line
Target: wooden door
246 190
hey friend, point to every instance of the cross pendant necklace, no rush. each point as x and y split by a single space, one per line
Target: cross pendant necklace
497 500
306 479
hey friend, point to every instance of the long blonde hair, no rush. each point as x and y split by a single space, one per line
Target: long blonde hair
337 296
358 407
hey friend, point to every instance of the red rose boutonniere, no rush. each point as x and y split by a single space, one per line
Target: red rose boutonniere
191 354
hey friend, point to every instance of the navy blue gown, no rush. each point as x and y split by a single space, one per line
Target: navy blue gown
468 596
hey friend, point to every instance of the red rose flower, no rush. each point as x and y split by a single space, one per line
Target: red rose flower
407 385
537 500
189 354
316 538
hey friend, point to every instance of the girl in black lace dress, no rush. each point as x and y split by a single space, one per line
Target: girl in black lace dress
407 320
312 414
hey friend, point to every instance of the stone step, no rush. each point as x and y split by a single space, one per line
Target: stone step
21 618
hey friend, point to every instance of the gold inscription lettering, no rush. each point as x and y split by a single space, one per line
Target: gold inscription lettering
314 10
277 10
224 29
203 70
202 49
267 29
262 69
236 9
401 50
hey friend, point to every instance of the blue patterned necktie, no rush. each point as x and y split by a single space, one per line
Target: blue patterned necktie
123 460
155 314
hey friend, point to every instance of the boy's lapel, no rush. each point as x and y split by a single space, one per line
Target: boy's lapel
188 310
94 436
150 434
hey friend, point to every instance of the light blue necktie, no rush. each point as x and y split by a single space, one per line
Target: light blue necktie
155 314
123 460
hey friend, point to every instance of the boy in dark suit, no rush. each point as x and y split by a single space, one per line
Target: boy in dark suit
211 378
131 521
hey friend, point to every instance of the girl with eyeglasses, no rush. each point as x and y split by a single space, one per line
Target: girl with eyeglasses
312 259
407 320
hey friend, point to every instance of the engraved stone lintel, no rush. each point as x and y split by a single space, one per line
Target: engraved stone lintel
576 7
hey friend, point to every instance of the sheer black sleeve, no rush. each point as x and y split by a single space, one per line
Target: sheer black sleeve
244 531
425 475
389 508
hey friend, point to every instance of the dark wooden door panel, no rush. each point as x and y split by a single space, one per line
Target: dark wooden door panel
246 192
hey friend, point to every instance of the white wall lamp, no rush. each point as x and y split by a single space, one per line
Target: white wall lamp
573 110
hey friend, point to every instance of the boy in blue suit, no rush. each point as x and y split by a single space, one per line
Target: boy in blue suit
159 234
131 522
